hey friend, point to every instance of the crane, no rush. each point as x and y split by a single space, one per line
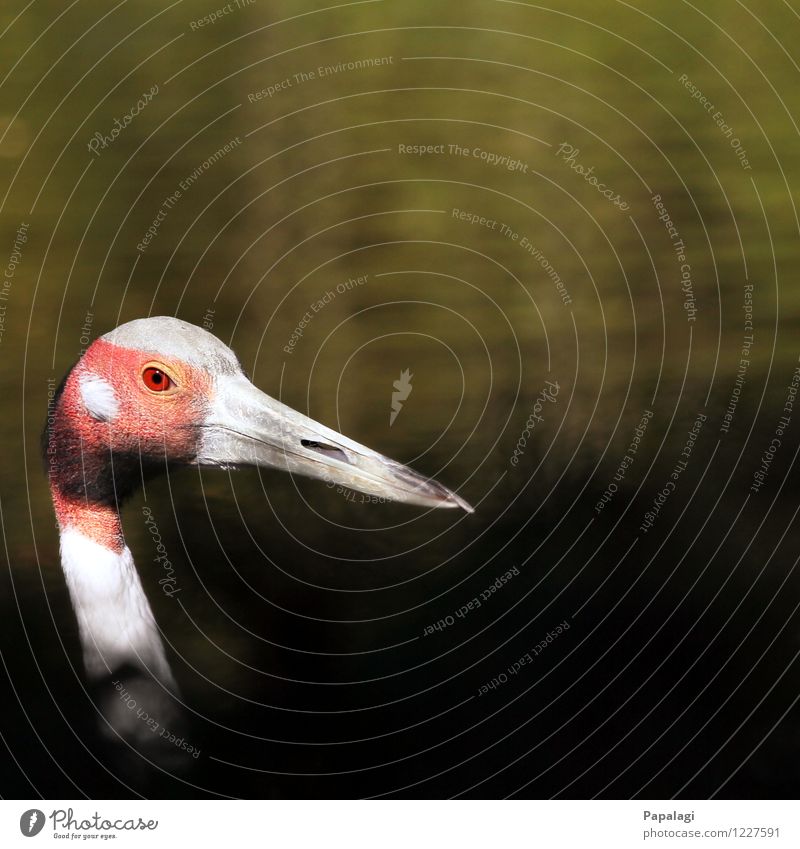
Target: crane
152 393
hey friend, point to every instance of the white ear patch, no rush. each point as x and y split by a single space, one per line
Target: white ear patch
98 397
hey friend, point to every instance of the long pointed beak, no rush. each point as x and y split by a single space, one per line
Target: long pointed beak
245 427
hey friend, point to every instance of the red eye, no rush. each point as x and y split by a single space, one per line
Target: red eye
156 380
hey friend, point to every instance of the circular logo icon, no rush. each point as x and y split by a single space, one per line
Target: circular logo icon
31 822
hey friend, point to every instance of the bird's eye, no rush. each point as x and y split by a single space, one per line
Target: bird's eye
156 380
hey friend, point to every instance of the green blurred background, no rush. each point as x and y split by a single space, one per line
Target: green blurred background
317 191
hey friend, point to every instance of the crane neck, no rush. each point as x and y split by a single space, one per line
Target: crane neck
119 637
95 520
115 621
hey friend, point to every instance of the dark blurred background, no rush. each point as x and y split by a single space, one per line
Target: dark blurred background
299 634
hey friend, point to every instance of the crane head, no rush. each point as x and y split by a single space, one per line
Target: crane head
160 389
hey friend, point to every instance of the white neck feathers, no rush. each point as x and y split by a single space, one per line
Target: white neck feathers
115 622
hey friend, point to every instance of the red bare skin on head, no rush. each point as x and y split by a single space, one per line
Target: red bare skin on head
94 464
